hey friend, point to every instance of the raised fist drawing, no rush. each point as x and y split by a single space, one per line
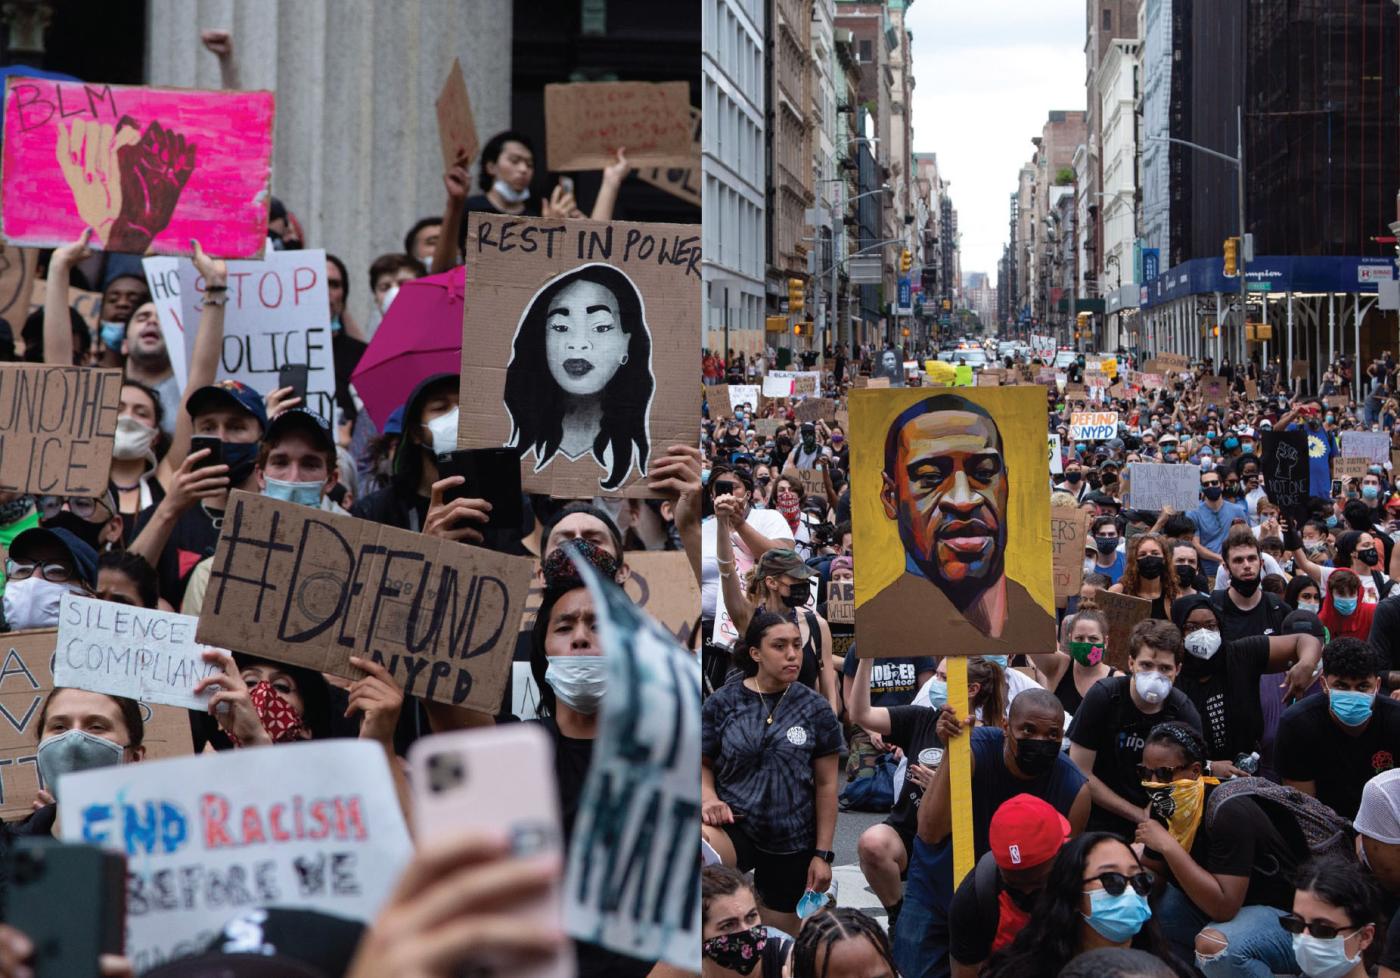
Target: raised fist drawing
88 156
153 172
1287 461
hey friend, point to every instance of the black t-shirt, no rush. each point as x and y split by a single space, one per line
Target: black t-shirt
572 758
1244 841
1225 692
1385 631
1109 723
1265 618
912 731
194 537
1390 955
765 771
893 682
971 929
1312 746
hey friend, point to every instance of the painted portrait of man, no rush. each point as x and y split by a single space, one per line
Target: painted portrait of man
889 365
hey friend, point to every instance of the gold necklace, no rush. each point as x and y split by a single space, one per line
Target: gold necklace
764 701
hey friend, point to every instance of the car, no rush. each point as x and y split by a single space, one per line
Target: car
1064 358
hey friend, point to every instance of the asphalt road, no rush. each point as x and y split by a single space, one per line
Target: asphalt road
851 887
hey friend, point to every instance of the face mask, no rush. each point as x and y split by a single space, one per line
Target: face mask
1320 958
443 431
1309 606
336 325
937 693
1073 478
427 262
509 194
387 299
1150 568
578 680
133 439
1248 447
1086 653
72 751
33 603
811 902
1203 643
1035 757
1210 492
1117 918
1231 443
1152 686
1350 707
302 493
1370 556
1185 575
1106 545
112 335
999 660
1178 806
1332 521
740 951
1245 587
798 594
1370 492
82 529
1081 448
1344 606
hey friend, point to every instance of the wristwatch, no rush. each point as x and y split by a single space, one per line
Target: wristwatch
826 854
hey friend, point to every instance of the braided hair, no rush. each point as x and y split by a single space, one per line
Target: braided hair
1182 737
824 930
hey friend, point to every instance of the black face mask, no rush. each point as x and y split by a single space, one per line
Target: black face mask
1370 556
1212 492
1035 757
79 527
1244 587
1073 478
1106 545
240 457
1185 575
798 594
1150 568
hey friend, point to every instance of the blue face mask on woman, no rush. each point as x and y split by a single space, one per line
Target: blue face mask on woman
1344 606
1117 918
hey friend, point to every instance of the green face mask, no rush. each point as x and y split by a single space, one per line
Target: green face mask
1087 653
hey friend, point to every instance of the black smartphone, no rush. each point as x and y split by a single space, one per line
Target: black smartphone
492 474
1336 488
294 375
70 900
216 450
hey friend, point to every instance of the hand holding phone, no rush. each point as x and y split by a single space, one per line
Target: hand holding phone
294 375
492 474
213 445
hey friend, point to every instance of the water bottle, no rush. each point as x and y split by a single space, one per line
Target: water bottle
1248 763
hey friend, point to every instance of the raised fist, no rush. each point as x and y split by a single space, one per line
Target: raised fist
153 172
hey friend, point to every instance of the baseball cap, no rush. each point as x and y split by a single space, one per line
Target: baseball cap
83 556
394 424
228 394
775 563
1379 814
301 419
1026 832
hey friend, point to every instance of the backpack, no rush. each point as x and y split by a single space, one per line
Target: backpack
1320 829
872 788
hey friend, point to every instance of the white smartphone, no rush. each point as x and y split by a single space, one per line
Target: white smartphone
497 778
567 183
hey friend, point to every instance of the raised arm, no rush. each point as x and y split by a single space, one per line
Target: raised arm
204 361
58 319
736 602
874 719
613 175
458 181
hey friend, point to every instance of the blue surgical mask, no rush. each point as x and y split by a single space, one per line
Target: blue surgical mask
1370 492
1350 707
1324 958
811 902
937 693
1332 521
1344 606
112 335
1117 918
1232 443
998 659
302 493
1308 606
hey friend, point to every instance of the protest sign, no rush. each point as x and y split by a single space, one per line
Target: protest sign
586 122
147 169
1151 381
777 387
1123 611
1152 486
658 581
815 409
682 182
456 125
294 584
1215 390
801 383
16 283
86 304
1373 446
588 334
1075 392
813 481
207 837
1284 458
768 427
987 377
841 602
1069 526
1349 466
633 877
1096 378
741 395
984 587
878 383
1251 389
1174 361
124 650
717 396
1299 370
1057 458
1093 425
1336 400
56 428
26 679
277 314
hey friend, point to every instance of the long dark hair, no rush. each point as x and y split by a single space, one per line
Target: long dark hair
537 404
1051 939
752 638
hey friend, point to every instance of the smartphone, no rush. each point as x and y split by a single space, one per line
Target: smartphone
492 474
294 375
70 900
567 183
1336 488
457 779
216 450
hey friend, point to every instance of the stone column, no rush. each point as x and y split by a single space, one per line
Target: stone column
355 154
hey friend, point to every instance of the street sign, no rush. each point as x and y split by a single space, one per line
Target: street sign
866 270
905 304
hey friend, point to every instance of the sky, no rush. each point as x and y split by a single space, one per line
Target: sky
987 73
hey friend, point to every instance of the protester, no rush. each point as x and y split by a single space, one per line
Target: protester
1334 920
843 943
736 942
1082 662
1146 575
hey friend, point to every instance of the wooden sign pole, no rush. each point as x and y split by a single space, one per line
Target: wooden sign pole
959 754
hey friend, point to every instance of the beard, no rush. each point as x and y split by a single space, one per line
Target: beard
964 593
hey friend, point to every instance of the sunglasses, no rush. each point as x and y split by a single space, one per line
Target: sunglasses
54 573
1115 883
1322 930
1156 775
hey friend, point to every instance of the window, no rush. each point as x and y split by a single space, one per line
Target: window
1107 19
865 51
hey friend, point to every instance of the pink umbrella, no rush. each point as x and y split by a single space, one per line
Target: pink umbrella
421 335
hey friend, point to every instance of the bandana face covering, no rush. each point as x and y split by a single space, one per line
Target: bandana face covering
1180 806
282 723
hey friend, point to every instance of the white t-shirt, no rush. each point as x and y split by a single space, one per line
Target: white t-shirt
1369 593
768 522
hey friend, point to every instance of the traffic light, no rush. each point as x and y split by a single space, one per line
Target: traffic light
906 261
804 328
797 294
1083 319
1232 252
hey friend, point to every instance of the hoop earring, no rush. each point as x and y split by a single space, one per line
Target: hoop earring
623 361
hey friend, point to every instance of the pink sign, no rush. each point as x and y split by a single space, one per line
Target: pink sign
146 168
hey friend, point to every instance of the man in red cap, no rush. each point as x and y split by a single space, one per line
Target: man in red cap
993 903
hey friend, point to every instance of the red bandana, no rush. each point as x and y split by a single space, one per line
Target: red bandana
282 723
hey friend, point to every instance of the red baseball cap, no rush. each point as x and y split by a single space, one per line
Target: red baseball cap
1026 832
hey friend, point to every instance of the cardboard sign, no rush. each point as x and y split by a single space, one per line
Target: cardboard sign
1284 467
1337 400
86 304
1069 527
815 409
877 383
768 427
1374 446
1299 370
632 877
26 679
717 396
813 481
588 334
1057 457
658 581
146 168
1123 611
801 383
586 122
125 650
1349 466
207 837
294 584
1174 361
1151 381
1251 389
456 125
1215 390
1096 378
277 314
1093 425
1152 486
982 583
989 377
683 182
841 602
56 428
741 395
16 284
